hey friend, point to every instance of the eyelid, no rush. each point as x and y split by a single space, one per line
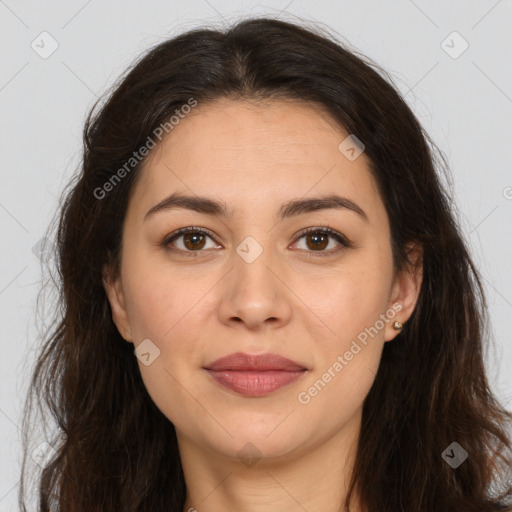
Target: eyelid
341 239
183 231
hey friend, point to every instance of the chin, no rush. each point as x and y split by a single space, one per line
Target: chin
272 440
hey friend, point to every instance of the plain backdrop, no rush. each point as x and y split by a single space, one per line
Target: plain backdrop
451 60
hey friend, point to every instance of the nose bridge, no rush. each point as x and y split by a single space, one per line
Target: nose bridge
253 261
255 291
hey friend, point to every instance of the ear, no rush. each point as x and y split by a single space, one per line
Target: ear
405 289
114 290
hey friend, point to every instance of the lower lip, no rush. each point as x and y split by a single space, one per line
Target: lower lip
255 383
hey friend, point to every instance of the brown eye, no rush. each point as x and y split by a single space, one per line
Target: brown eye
318 239
193 240
188 240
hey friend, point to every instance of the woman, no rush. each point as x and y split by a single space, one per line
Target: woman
267 302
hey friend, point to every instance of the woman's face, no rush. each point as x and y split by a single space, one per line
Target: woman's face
254 284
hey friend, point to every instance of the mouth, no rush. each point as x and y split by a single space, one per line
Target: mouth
255 375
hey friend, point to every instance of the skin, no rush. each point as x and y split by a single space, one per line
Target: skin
254 157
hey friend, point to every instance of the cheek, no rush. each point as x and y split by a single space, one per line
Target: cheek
160 301
152 309
346 361
171 311
335 394
162 313
350 303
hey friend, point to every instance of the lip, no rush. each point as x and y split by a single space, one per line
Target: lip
255 375
247 362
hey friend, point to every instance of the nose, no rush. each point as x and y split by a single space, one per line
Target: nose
255 295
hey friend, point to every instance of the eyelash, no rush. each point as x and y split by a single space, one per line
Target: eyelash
345 243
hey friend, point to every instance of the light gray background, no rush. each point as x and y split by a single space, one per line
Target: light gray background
465 103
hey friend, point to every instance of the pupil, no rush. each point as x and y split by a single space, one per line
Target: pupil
317 240
194 239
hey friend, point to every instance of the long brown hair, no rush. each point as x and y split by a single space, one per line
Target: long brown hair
112 449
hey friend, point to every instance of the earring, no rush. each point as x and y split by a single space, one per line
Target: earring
397 325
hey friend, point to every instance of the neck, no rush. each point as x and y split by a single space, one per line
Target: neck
315 478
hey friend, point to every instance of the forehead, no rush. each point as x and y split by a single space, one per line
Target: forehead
247 154
268 129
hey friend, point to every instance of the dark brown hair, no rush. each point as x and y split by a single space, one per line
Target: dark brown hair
114 449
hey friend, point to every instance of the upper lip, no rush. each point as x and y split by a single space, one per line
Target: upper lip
246 362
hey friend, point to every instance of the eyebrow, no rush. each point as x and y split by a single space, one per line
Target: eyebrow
289 209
